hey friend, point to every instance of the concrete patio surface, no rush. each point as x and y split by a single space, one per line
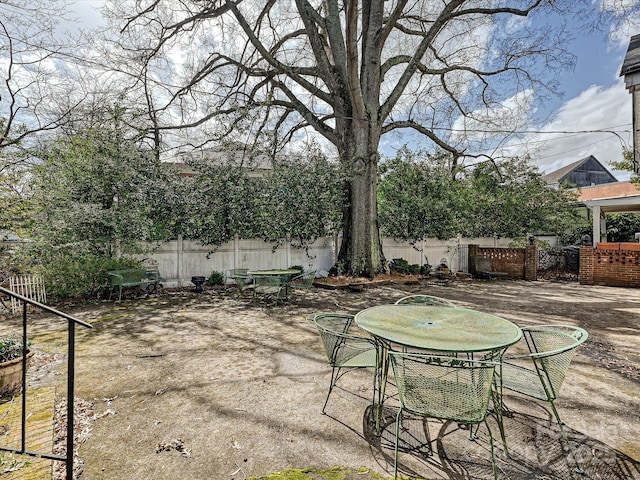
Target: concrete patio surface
213 385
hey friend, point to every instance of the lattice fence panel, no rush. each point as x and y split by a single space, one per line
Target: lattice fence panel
29 286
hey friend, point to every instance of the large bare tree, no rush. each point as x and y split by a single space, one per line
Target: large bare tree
32 47
460 73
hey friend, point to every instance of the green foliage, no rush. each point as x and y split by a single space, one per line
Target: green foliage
101 190
10 348
425 269
626 164
622 227
422 198
418 199
70 271
298 198
297 267
522 242
216 278
302 201
222 202
400 265
8 463
509 199
14 203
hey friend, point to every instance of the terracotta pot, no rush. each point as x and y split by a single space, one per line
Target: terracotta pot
11 374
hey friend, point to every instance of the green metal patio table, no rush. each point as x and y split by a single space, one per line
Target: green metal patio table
283 274
438 329
289 272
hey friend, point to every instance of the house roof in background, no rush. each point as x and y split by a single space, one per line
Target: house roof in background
612 198
556 175
608 190
584 167
631 63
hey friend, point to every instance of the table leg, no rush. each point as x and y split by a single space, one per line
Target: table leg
382 371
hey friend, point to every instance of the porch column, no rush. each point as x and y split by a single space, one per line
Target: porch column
599 225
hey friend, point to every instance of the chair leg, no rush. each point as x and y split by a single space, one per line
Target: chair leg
334 379
395 455
498 406
493 455
565 437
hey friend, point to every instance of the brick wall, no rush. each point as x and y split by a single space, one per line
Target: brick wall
610 267
517 263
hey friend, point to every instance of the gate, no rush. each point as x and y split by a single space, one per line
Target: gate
559 263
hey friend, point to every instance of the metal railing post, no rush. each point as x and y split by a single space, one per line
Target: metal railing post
72 322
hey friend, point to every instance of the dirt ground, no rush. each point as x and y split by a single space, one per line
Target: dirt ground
212 385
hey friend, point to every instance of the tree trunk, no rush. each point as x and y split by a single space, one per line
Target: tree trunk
361 249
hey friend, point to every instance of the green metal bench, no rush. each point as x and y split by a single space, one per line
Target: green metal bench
134 277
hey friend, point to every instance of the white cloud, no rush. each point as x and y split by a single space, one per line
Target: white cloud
597 109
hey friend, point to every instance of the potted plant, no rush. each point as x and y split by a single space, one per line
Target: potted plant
11 364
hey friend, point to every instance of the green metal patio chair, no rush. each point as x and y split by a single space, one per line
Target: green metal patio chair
540 373
345 348
425 300
444 388
269 287
232 273
303 281
243 281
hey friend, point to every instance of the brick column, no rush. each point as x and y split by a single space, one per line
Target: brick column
531 263
586 266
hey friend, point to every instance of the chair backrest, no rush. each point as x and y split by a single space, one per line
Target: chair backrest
339 340
552 348
304 280
425 300
241 277
234 273
443 387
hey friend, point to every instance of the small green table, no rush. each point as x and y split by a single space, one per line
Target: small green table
286 273
433 328
283 275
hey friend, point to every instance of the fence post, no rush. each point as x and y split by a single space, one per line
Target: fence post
236 251
179 259
472 256
287 253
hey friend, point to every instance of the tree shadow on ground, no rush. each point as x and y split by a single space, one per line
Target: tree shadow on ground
442 449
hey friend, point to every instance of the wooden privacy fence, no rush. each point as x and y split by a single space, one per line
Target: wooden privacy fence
29 286
179 260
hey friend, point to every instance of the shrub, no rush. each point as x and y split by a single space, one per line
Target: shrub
10 348
216 278
400 265
71 272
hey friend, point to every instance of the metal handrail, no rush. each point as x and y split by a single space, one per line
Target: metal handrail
68 458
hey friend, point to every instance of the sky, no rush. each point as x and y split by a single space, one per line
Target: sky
594 100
